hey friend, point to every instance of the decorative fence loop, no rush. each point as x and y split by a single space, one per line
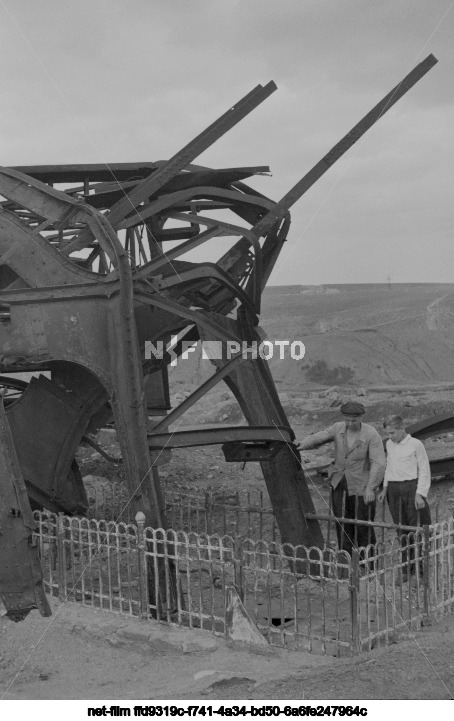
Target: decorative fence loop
319 600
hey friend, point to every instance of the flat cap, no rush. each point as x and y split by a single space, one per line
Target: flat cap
352 409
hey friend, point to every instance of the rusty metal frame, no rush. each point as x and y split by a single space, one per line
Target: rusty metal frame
85 280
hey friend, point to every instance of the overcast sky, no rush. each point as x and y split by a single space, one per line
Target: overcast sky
127 80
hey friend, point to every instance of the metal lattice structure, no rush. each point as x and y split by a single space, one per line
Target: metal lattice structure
86 278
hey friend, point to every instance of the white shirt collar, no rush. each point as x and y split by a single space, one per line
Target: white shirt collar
405 439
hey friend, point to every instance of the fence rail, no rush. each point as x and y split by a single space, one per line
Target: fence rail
190 508
248 514
299 598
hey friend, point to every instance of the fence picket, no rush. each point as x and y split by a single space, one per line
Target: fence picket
335 602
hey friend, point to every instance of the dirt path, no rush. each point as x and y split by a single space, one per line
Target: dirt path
420 668
81 653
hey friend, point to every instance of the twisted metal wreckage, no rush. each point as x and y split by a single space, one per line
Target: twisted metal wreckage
85 282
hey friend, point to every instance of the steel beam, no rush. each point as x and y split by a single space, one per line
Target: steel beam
186 155
336 152
196 436
20 576
180 160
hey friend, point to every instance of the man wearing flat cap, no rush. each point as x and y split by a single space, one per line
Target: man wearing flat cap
357 471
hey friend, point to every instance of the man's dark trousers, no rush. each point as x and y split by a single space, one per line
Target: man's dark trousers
349 534
401 501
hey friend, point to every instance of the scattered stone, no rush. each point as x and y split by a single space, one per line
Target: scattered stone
199 644
101 480
203 674
224 683
409 402
361 392
136 635
239 625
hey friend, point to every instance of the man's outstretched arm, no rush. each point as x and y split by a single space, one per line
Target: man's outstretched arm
316 439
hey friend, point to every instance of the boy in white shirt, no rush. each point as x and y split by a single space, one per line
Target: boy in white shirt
407 480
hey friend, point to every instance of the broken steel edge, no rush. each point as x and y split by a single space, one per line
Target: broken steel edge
235 230
336 152
264 225
170 200
104 195
202 272
193 149
181 159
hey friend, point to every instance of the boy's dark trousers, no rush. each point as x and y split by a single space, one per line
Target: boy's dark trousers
401 501
349 534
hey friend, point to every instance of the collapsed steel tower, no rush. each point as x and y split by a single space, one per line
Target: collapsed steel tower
85 282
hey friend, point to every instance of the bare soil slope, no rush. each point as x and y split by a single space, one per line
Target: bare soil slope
383 334
363 334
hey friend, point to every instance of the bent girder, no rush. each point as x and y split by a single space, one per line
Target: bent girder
86 274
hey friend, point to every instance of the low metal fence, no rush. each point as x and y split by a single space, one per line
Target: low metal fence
108 501
402 584
89 561
220 510
189 508
317 600
297 597
378 524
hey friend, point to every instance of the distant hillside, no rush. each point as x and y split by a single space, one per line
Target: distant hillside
382 334
362 334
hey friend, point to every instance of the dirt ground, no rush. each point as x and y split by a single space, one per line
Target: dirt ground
81 653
